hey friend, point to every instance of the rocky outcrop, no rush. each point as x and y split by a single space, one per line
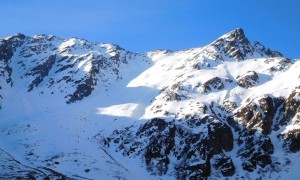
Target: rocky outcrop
223 165
282 64
263 51
214 83
196 151
259 115
85 88
7 48
292 139
256 150
290 107
248 80
40 72
290 113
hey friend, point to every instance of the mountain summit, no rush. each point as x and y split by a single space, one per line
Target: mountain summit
237 35
236 45
74 109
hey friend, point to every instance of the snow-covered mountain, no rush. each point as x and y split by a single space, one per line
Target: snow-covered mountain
73 109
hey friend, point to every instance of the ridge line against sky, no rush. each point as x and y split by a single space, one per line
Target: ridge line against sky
141 26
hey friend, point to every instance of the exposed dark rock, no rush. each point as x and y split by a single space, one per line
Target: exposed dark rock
291 113
7 49
152 126
229 106
292 140
282 65
262 50
164 139
65 67
176 92
269 109
220 136
198 171
197 66
40 72
224 165
173 96
256 150
234 45
248 80
82 90
261 115
212 84
290 106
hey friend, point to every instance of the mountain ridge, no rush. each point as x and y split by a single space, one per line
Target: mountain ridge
222 110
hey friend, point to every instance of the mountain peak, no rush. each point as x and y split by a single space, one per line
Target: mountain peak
235 45
237 35
15 36
237 31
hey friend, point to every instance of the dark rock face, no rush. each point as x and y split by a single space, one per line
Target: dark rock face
82 90
224 165
270 114
269 109
282 65
235 45
290 107
212 84
40 71
7 49
198 171
292 140
86 88
169 139
99 64
229 106
171 96
259 116
176 92
290 112
248 80
262 115
256 149
261 49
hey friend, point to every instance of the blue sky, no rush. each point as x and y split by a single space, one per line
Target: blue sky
142 25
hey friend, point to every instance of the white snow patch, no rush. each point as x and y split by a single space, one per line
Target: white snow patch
125 110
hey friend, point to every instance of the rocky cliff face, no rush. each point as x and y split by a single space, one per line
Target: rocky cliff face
222 110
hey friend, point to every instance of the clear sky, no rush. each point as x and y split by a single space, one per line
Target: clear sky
142 25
